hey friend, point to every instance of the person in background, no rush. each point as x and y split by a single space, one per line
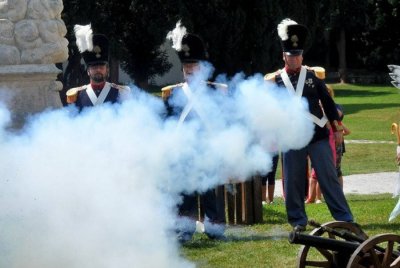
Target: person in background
302 82
94 49
191 51
340 149
337 150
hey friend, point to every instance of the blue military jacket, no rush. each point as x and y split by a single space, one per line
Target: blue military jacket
85 96
177 108
318 98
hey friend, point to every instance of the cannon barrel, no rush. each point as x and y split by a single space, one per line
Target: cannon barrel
322 242
348 236
342 244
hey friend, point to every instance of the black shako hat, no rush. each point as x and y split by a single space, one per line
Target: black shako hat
293 37
99 53
192 49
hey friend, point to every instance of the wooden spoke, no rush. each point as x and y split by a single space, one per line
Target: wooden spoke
320 257
377 251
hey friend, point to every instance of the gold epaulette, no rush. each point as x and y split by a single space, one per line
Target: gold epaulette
72 94
220 86
271 76
166 91
120 87
318 71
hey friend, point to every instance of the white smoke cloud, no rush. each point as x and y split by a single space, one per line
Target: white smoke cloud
99 188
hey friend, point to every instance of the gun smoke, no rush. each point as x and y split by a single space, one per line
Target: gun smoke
100 188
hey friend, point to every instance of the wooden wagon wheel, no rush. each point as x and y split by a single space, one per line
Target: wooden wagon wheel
366 255
324 254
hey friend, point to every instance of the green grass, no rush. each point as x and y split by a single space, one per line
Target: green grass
369 158
266 245
369 110
369 113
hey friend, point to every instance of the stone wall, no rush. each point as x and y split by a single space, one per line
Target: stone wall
31 42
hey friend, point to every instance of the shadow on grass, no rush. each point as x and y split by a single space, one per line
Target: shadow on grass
361 93
355 108
369 197
385 227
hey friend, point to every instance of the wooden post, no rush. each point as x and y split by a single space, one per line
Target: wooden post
251 201
243 203
257 200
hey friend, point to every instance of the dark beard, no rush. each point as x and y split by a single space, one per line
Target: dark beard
98 78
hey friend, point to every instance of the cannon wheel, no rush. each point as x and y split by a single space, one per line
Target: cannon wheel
366 256
327 255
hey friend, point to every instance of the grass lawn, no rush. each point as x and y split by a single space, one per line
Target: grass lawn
266 244
369 113
369 110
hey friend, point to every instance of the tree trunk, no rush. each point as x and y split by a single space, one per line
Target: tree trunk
327 35
341 47
114 70
144 84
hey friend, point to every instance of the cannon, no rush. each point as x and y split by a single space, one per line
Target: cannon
340 244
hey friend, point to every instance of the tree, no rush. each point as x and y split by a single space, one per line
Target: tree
136 30
241 35
379 46
343 18
142 35
74 74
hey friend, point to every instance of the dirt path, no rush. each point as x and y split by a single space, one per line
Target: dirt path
374 183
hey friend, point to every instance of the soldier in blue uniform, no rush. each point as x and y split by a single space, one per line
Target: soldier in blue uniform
302 82
95 55
191 53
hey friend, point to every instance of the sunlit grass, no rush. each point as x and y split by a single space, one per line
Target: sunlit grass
266 245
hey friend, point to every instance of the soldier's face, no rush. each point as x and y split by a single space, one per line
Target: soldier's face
189 69
293 61
98 73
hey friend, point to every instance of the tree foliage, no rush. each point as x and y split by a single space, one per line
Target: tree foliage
143 31
379 44
240 35
136 29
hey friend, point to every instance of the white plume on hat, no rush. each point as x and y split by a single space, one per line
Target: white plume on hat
84 36
282 28
395 75
176 36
